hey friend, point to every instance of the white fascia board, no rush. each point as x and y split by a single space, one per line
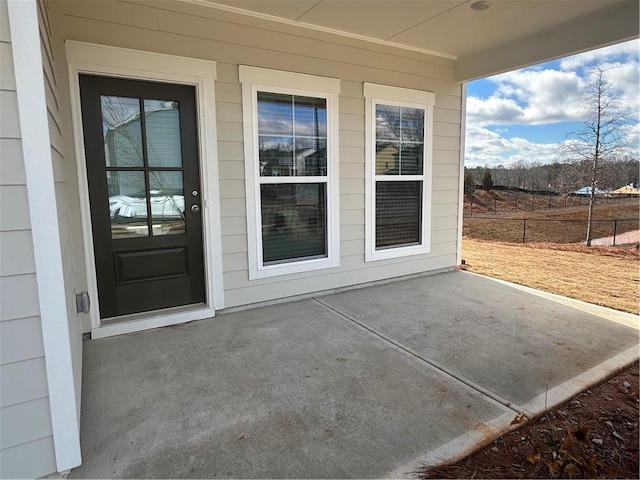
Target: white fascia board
601 28
32 105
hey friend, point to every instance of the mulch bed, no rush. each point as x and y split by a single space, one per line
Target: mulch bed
593 435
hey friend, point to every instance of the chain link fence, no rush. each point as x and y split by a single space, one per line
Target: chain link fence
542 230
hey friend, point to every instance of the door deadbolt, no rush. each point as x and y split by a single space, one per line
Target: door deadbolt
194 193
195 208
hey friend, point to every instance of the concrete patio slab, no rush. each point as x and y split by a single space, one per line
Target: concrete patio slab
363 383
510 343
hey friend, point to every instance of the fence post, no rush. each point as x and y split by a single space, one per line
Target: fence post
524 230
615 229
533 200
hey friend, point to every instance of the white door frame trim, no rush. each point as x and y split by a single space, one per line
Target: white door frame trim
125 63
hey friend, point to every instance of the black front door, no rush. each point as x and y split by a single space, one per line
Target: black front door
144 189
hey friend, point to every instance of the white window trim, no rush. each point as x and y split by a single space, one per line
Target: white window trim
386 95
121 62
259 79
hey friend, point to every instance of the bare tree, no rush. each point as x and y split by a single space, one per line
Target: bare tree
601 137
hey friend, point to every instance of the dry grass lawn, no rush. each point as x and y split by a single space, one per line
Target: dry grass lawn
608 276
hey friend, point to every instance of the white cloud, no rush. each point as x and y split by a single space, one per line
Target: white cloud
543 96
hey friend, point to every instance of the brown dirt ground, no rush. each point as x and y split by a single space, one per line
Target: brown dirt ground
608 276
594 435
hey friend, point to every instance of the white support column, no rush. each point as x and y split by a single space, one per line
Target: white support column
36 145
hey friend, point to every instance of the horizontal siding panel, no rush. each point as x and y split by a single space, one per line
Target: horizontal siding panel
8 78
23 290
446 143
232 189
445 183
14 208
351 217
446 170
449 102
228 112
9 121
351 170
352 232
352 106
234 244
5 34
351 89
16 253
123 13
12 165
352 202
23 381
238 34
444 223
351 155
227 72
230 132
447 130
352 247
231 151
351 139
446 116
232 207
35 459
351 122
444 210
235 262
350 186
231 170
234 225
21 340
447 156
228 92
25 422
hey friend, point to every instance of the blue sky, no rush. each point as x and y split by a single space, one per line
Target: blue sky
524 116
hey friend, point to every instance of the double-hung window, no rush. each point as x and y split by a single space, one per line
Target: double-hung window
291 171
398 154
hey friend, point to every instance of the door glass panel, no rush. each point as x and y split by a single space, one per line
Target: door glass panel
121 130
162 127
127 204
167 203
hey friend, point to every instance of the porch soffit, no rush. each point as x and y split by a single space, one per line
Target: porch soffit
514 30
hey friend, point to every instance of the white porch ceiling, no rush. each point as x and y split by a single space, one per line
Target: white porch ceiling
453 29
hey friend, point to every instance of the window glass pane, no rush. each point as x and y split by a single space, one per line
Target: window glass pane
276 156
167 203
387 122
412 125
398 213
162 127
311 157
311 117
399 140
387 157
293 222
275 114
127 204
122 134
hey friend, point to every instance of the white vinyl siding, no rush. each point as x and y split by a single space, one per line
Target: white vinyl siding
186 29
398 188
26 441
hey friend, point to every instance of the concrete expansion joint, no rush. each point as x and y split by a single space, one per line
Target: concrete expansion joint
487 394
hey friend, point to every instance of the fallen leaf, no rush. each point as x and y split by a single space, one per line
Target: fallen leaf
520 418
534 457
571 470
555 467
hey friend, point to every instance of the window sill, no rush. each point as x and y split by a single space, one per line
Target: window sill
398 252
290 268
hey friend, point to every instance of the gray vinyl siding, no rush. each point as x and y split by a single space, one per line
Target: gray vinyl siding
26 441
231 40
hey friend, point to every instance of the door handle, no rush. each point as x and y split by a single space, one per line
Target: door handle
195 208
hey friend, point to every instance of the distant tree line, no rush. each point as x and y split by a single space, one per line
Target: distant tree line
556 177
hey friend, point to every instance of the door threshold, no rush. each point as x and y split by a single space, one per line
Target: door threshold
139 322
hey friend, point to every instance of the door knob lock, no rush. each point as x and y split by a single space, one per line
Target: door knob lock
195 208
